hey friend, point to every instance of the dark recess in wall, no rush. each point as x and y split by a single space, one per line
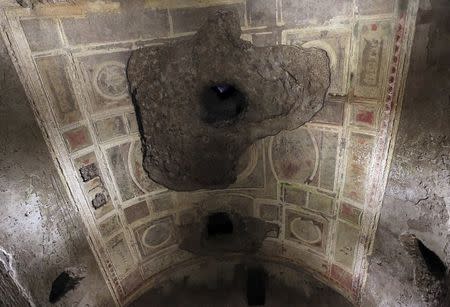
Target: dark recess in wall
219 223
256 287
433 262
65 282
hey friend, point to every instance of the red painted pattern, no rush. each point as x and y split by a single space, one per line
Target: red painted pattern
365 117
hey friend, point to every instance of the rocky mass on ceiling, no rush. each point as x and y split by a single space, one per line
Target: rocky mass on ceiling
201 102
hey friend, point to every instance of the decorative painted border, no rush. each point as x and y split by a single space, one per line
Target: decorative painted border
23 61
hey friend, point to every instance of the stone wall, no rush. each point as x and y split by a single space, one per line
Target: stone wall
321 183
417 199
41 232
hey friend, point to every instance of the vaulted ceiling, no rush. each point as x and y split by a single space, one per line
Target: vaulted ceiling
314 192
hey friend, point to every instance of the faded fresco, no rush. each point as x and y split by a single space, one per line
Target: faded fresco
321 183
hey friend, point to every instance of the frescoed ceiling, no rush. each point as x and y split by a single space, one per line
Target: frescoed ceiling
321 183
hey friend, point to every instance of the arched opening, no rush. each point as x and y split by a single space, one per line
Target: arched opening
219 223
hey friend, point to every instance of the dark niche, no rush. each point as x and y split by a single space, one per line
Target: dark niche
434 264
66 281
430 272
202 101
222 232
256 286
219 224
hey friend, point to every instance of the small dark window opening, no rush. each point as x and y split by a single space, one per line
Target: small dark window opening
256 287
222 102
219 224
433 262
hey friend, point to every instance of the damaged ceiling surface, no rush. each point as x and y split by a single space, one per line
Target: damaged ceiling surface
183 133
202 102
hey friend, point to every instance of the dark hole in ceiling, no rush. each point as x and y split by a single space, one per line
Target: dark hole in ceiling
201 102
219 224
222 102
433 262
256 287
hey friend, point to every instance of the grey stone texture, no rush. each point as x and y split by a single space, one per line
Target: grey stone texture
417 199
41 232
11 292
39 228
193 137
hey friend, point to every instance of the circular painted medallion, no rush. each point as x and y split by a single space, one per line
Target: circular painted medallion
110 80
156 235
305 230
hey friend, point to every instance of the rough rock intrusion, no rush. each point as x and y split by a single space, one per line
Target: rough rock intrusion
203 101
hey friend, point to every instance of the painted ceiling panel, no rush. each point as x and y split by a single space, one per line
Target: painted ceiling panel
321 183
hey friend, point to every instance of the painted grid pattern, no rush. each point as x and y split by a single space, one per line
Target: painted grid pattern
323 183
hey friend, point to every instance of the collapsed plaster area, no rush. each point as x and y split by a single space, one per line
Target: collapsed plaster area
203 101
318 184
223 232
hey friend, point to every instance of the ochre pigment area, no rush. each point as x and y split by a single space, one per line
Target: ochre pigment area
203 101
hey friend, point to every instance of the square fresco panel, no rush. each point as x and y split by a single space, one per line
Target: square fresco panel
364 115
293 195
162 203
321 203
359 159
58 86
132 22
42 33
110 226
310 180
269 212
350 214
106 80
375 39
77 138
261 12
136 212
109 128
347 238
